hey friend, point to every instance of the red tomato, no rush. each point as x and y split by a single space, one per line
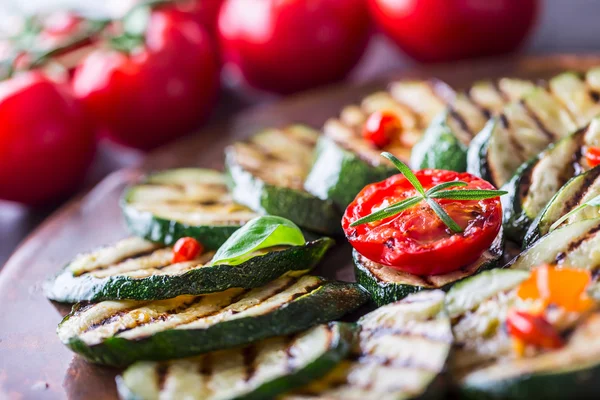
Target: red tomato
160 92
416 240
446 30
592 155
286 46
380 127
533 329
46 142
206 12
186 249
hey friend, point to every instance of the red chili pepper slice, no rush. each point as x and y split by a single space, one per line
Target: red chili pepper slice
592 155
533 329
381 127
186 249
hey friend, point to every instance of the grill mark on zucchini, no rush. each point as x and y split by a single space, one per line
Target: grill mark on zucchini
231 306
588 235
460 120
162 372
546 131
370 366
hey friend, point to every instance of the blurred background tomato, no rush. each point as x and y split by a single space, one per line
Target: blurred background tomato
126 76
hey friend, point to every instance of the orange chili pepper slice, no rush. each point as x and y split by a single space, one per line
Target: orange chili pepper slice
564 287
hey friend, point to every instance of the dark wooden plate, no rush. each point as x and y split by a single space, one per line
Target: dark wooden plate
33 363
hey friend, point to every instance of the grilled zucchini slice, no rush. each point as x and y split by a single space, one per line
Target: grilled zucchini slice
483 361
175 203
573 194
135 269
439 148
119 333
401 350
492 96
536 118
536 182
386 284
261 370
572 245
576 95
267 174
345 162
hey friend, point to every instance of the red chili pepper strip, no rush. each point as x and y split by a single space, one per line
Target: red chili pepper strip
381 127
592 155
533 329
186 249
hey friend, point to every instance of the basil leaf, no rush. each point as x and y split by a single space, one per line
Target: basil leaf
256 234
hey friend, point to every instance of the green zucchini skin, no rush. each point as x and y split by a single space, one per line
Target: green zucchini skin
339 175
385 362
578 379
155 208
161 230
515 221
576 191
560 162
255 272
576 384
439 148
342 337
384 291
329 302
477 153
300 207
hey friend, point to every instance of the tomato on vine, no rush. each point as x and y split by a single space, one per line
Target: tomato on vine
158 82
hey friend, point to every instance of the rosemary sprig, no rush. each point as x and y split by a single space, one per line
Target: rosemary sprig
441 191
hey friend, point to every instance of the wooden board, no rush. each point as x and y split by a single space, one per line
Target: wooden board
33 362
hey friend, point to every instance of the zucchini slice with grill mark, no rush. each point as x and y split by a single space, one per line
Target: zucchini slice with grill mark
135 269
401 351
175 203
439 148
444 145
492 96
573 245
537 181
483 361
574 193
386 284
345 162
536 118
261 370
119 333
267 174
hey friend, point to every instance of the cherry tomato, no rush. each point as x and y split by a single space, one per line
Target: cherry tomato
533 329
206 12
186 249
291 45
446 30
416 240
381 127
564 287
161 91
46 141
592 155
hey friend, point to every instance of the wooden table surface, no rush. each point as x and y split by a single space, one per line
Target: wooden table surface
33 363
